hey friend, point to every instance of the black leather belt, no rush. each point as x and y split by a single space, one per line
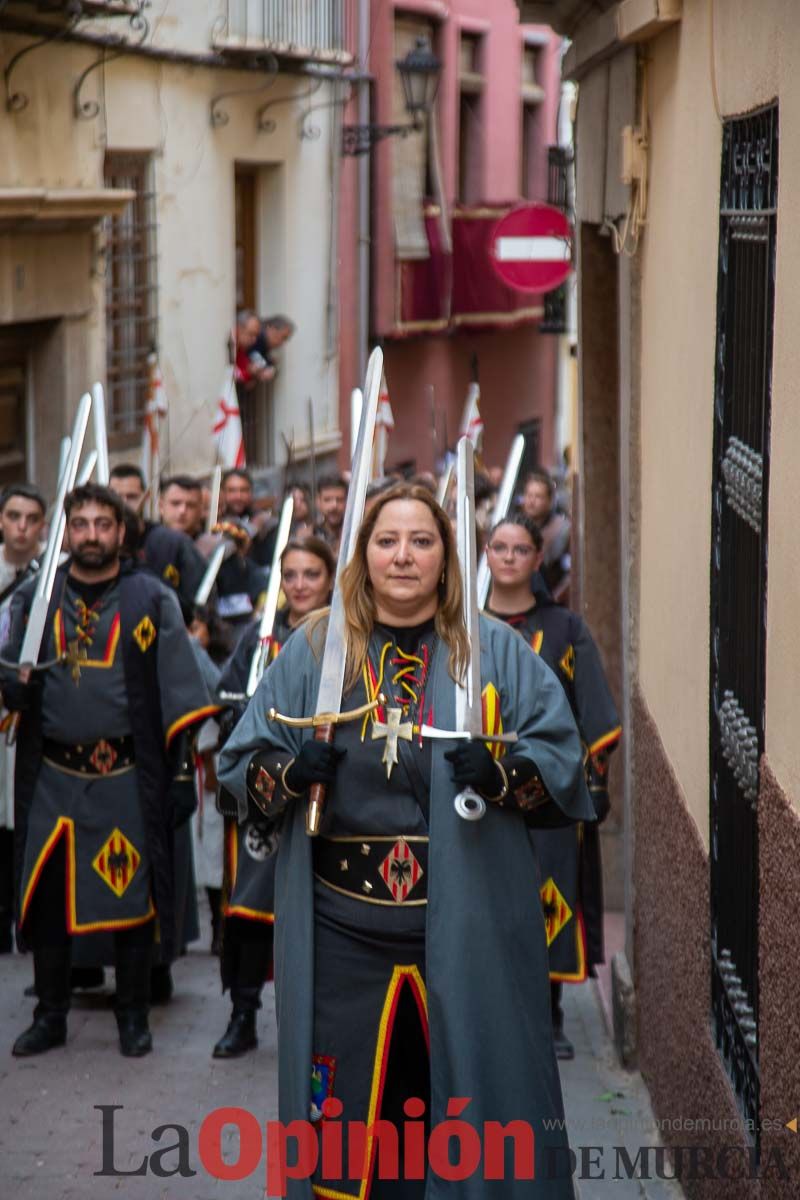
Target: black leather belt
108 756
378 870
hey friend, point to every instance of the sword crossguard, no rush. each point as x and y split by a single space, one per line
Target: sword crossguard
320 719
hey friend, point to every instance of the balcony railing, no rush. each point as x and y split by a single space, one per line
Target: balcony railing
73 10
305 30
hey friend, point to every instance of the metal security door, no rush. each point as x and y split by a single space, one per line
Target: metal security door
745 304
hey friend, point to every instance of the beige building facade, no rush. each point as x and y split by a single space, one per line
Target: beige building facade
688 151
160 166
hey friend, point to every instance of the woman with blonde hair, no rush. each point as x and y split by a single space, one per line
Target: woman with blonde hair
410 948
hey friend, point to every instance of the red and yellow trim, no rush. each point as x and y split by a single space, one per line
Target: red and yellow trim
492 718
581 973
536 641
401 976
607 740
240 910
191 718
112 641
65 827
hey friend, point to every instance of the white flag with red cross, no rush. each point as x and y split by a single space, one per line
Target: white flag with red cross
472 422
227 429
384 424
154 412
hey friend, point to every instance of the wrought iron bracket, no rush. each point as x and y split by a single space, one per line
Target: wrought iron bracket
359 139
86 110
219 116
306 129
16 102
265 124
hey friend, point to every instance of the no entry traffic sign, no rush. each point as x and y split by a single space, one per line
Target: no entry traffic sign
531 248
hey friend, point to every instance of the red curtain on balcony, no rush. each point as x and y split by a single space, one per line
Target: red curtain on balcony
423 285
460 291
480 299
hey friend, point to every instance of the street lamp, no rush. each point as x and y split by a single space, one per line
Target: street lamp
419 74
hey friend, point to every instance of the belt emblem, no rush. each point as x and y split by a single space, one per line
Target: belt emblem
116 862
103 757
400 870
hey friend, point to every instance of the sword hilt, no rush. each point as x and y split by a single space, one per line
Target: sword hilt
318 791
322 720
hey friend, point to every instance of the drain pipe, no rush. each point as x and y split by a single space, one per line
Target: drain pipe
364 167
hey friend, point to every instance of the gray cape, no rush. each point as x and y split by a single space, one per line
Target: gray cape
487 985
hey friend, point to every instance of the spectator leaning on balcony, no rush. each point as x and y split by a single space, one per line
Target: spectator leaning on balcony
274 333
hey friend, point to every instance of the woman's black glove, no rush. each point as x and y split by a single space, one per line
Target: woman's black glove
18 696
316 763
474 766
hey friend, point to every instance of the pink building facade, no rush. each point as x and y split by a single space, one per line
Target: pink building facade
434 303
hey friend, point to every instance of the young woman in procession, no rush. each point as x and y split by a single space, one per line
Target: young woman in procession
411 960
569 858
307 571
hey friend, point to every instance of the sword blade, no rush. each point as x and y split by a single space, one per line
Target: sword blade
34 632
211 572
501 510
89 465
461 735
469 715
329 697
271 602
100 432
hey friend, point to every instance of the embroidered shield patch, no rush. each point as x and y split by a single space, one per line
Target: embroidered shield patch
144 634
259 845
171 575
400 870
556 910
323 1071
116 862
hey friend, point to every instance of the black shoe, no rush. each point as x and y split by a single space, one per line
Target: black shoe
86 977
135 1039
239 1037
47 1031
564 1047
161 986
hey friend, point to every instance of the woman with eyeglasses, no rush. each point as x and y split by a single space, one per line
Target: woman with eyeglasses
570 857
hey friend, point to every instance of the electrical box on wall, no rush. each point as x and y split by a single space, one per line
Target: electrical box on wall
634 154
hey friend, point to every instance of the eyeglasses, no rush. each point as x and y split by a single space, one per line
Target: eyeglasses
518 551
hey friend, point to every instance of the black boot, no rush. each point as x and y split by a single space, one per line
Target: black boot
132 1003
563 1046
240 1036
49 1028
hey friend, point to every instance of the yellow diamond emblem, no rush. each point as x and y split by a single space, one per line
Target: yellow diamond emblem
567 663
171 575
116 862
144 634
556 910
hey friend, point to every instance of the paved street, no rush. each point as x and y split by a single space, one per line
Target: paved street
50 1131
